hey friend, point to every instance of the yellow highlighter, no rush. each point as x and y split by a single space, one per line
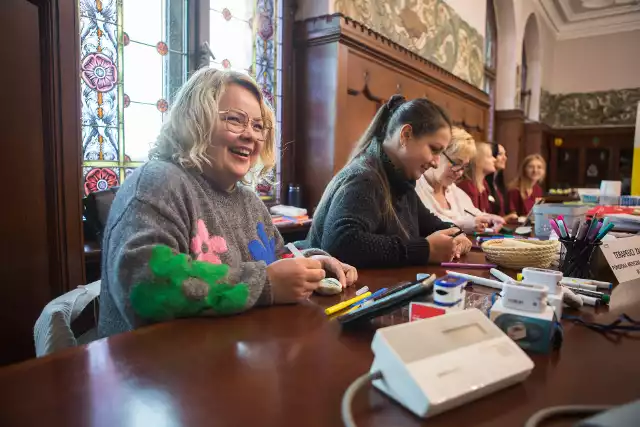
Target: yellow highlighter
336 308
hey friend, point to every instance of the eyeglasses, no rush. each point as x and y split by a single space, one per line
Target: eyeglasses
237 121
455 167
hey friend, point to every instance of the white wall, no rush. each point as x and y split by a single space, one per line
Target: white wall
473 12
512 17
597 63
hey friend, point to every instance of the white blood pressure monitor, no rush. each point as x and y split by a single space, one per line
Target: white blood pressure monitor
436 364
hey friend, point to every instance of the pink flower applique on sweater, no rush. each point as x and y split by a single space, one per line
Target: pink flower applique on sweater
205 247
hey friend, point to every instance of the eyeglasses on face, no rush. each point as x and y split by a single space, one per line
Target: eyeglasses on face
237 121
455 167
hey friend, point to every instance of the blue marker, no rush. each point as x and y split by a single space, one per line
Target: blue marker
370 297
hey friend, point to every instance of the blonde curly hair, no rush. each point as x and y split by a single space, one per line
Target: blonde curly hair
193 118
462 144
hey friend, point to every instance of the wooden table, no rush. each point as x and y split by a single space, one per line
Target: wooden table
288 366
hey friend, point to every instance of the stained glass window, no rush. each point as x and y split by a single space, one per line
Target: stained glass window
246 36
133 58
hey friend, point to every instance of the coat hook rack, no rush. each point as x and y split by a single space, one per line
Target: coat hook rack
366 92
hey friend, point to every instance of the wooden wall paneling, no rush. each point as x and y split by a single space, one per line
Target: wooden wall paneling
582 167
287 78
41 220
535 134
614 161
336 47
316 83
552 167
509 131
348 123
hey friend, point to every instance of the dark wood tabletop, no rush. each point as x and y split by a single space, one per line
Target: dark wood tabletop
289 366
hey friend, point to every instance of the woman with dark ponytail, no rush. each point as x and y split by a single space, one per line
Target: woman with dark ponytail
495 181
370 215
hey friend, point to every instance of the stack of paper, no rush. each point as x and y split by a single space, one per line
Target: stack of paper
625 222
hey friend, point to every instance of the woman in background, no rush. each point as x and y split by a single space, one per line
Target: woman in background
525 189
497 186
439 193
370 214
475 185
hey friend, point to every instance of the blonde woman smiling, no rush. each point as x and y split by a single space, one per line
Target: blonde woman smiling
185 235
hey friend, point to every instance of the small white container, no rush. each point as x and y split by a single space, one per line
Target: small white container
610 188
543 213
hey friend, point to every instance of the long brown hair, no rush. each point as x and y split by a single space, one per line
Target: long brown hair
522 181
424 117
473 167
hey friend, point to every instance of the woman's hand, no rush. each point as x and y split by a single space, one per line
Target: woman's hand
511 218
294 279
481 223
462 245
346 274
442 247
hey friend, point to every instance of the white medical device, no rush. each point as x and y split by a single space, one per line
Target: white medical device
525 297
433 365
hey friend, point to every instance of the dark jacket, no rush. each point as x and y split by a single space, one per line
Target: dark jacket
349 222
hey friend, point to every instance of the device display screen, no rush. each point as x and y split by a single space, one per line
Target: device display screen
465 334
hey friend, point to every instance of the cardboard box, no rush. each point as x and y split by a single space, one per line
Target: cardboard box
531 331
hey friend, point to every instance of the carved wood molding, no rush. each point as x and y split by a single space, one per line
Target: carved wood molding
510 114
342 29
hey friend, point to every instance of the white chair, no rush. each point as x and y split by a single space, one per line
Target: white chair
52 331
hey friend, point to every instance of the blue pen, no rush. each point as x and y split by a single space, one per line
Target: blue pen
370 297
605 221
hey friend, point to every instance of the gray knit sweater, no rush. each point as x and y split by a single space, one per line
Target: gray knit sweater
163 204
349 222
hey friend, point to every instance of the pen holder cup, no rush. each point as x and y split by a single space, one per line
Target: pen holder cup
576 257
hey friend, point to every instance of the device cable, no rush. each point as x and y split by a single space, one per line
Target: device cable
563 411
349 394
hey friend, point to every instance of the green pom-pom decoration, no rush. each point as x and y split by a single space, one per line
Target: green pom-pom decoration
228 299
164 298
163 301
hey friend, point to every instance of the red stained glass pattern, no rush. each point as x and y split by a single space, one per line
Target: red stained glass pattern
162 48
162 105
99 72
154 72
100 179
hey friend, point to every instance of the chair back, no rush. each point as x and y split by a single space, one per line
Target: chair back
52 331
96 211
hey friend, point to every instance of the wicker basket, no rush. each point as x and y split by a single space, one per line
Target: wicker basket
517 254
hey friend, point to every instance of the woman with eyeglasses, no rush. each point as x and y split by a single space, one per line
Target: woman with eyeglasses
475 184
370 215
439 193
186 234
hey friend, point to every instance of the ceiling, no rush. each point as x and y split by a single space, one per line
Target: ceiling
584 18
